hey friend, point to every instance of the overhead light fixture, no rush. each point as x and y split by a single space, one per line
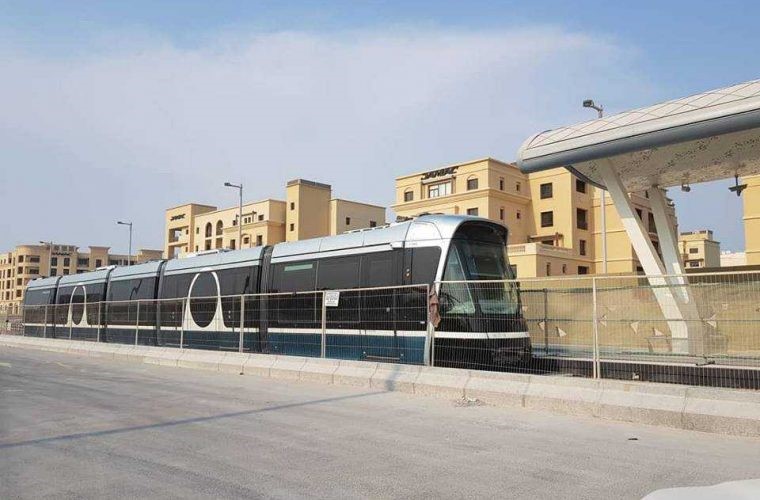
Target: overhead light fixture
737 188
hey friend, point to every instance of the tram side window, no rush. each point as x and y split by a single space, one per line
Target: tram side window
176 286
297 310
294 276
94 296
135 289
378 270
338 273
77 304
37 297
424 262
235 282
63 299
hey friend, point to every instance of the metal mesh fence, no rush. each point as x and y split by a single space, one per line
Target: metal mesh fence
696 329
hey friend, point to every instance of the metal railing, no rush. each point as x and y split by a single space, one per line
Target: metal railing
591 326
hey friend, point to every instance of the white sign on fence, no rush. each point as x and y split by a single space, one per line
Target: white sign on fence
332 298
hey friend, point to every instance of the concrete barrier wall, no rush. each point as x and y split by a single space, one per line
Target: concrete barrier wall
724 411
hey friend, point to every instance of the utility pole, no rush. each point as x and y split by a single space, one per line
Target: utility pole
129 257
239 187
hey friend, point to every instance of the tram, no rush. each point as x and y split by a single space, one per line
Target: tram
382 276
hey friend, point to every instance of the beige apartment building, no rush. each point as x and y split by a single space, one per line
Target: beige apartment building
26 262
554 218
751 218
699 249
308 211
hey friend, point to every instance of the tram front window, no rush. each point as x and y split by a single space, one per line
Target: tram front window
472 260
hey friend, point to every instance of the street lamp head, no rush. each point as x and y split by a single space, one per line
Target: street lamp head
588 103
228 184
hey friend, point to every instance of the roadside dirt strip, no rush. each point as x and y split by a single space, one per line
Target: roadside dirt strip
723 411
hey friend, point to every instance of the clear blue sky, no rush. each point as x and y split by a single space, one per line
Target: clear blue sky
143 98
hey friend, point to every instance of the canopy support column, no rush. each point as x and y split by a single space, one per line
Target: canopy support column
656 271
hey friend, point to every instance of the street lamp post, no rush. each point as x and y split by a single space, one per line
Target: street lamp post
239 187
129 257
50 256
589 103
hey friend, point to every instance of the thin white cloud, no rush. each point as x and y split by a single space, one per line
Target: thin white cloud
127 133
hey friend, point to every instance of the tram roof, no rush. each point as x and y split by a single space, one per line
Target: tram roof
144 270
700 138
423 228
89 277
217 259
49 282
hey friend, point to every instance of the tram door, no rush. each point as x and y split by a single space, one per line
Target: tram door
379 315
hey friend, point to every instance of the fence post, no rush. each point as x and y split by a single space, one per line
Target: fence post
546 321
182 324
137 322
242 322
100 320
44 327
323 347
595 320
429 355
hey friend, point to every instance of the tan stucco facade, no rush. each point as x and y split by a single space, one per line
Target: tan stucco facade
26 262
751 203
554 218
308 211
699 249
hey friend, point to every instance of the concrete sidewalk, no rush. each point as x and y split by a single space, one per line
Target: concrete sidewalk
722 411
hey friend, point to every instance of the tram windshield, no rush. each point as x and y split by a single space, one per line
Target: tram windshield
480 255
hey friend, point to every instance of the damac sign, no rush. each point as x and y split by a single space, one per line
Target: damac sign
439 173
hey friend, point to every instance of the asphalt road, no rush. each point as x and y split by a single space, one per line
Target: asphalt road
73 427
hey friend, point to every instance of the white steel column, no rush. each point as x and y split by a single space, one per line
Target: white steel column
671 254
650 261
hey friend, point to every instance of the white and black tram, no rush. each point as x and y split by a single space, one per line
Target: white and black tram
382 314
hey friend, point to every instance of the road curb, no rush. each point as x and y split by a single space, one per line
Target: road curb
714 410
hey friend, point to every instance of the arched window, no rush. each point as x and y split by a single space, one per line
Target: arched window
219 227
209 228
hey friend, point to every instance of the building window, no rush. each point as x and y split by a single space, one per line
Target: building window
372 223
694 250
547 219
292 227
501 213
98 263
261 217
548 242
53 272
501 183
292 205
693 263
547 190
652 225
259 240
197 230
66 262
207 246
219 227
209 230
348 221
582 269
232 244
548 268
34 259
65 271
472 184
196 248
409 195
564 268
640 214
54 261
441 189
20 259
472 211
518 215
581 218
517 187
580 186
582 247
83 262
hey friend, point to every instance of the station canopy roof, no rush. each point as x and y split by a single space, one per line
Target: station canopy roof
704 137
